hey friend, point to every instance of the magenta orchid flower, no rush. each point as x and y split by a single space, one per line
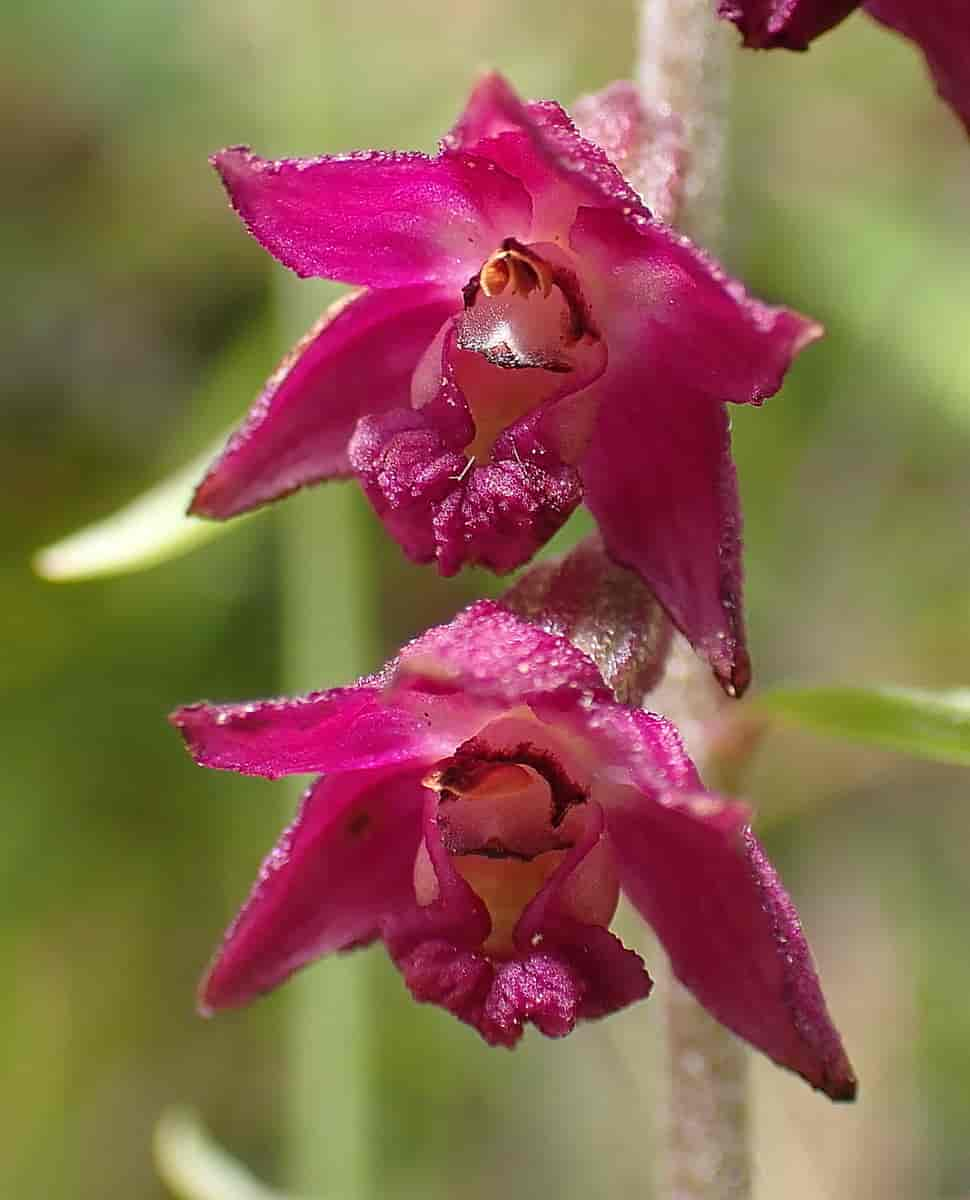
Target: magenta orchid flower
529 337
483 803
941 29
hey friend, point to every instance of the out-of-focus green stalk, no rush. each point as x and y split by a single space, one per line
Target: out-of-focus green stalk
329 636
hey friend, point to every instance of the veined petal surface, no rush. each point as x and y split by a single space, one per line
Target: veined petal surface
343 729
488 652
357 359
346 861
665 301
539 143
376 218
698 875
660 480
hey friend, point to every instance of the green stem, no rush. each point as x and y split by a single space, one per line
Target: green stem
329 637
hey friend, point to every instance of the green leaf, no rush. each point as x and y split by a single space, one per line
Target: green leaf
154 528
932 725
150 530
194 1167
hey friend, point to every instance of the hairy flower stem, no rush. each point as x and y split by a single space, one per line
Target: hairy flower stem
707 1153
703 1123
328 637
704 1113
684 66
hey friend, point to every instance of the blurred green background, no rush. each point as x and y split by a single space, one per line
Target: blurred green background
141 320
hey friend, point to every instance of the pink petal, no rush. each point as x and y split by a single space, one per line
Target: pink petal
494 108
437 947
376 218
660 481
699 877
644 745
789 23
345 862
666 302
359 358
658 474
941 29
538 144
647 147
340 730
489 653
659 759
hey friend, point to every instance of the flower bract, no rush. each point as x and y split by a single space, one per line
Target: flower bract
483 803
528 336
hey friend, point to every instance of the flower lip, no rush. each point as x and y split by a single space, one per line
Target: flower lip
512 825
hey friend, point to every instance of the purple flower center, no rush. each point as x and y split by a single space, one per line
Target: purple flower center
508 818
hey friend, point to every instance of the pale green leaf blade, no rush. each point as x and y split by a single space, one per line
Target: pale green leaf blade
194 1167
927 724
150 530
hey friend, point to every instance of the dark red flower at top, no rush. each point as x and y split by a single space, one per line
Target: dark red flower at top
530 336
483 803
941 29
